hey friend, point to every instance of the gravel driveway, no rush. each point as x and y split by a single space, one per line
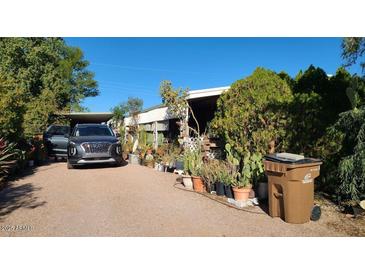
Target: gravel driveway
128 201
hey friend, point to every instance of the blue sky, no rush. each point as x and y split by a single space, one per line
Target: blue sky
127 67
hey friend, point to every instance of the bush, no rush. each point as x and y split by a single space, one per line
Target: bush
9 156
250 115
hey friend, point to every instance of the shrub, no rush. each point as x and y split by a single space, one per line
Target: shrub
250 115
8 158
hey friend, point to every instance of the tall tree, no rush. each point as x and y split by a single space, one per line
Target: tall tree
39 77
353 48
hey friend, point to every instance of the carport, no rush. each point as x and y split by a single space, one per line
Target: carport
87 117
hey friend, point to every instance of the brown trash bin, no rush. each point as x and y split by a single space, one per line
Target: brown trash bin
291 189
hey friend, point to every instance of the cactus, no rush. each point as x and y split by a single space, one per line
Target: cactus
230 158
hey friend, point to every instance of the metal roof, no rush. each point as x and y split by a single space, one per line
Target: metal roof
89 117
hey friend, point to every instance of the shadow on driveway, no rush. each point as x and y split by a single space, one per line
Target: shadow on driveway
14 197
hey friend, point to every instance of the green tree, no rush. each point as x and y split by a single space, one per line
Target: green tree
317 102
346 141
353 48
40 69
176 99
134 105
253 113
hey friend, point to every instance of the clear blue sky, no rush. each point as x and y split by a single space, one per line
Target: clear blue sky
135 66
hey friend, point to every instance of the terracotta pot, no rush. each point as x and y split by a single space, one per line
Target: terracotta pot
198 183
241 194
187 181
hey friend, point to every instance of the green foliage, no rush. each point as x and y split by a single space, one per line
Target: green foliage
353 48
9 156
133 105
38 78
305 124
351 147
251 170
193 162
122 135
174 99
249 115
119 112
317 102
142 140
178 105
231 159
209 172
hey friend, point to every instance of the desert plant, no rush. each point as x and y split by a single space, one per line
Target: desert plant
9 155
234 161
251 170
209 172
193 162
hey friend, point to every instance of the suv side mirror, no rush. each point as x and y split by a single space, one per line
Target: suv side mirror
117 135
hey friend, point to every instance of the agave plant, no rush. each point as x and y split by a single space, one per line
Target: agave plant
8 157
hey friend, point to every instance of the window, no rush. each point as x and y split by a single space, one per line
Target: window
93 131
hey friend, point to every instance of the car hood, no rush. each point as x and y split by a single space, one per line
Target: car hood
82 139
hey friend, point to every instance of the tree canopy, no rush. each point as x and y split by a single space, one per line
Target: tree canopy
39 77
251 114
353 48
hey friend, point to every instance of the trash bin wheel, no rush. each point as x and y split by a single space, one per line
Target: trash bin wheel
316 213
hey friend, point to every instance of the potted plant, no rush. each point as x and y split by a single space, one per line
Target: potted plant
208 175
187 181
179 163
230 175
195 169
220 174
252 167
149 161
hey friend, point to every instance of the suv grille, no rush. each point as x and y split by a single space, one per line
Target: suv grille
96 147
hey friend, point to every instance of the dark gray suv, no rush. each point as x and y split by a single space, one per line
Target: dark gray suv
93 144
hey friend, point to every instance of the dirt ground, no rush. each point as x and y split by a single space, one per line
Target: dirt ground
137 201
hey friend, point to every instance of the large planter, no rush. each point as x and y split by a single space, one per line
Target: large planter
241 194
228 191
134 159
188 183
219 188
198 183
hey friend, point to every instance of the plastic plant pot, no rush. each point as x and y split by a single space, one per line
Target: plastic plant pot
219 188
228 191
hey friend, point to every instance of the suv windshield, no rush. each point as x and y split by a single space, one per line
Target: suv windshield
93 131
58 130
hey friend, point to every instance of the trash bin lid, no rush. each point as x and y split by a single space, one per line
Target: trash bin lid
289 158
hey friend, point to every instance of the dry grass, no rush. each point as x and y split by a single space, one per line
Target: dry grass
342 223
